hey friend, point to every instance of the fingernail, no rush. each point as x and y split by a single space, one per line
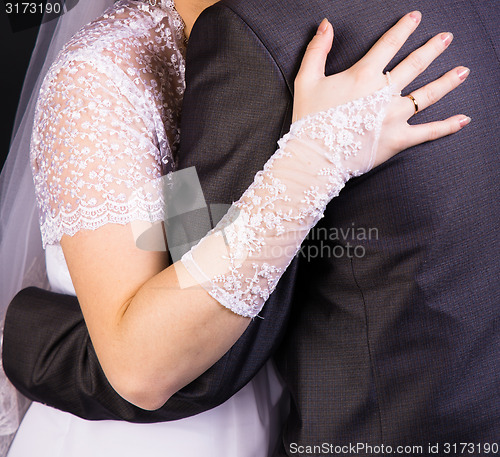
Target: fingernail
416 16
447 37
323 27
464 121
463 72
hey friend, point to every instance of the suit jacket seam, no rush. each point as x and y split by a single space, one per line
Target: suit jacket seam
283 74
370 355
486 31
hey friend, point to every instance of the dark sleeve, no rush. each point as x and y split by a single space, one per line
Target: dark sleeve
233 113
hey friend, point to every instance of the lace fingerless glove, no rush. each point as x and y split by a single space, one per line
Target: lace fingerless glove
241 260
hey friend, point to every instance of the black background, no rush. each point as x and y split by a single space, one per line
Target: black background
15 49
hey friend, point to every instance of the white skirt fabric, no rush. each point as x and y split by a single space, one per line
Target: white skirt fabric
246 425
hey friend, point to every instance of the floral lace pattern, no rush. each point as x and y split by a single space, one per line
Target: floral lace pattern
344 130
106 122
263 231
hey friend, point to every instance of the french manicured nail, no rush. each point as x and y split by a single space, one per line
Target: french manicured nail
463 72
447 37
416 16
323 27
464 121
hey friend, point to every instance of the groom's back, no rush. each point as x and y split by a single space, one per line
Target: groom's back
397 342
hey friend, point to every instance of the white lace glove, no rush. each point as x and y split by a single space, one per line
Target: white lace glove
241 260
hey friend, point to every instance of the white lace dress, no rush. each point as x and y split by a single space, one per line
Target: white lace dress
121 80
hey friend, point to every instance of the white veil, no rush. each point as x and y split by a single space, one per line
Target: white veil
22 260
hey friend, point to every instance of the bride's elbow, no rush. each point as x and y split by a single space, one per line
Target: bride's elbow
148 402
142 392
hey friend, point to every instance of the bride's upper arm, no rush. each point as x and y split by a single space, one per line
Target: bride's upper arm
107 269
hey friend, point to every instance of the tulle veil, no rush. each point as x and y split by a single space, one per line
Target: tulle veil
22 260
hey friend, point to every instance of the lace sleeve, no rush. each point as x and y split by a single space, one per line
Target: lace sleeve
242 259
92 153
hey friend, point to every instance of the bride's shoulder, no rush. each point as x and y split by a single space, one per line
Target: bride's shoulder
128 33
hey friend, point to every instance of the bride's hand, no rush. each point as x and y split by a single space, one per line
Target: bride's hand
315 92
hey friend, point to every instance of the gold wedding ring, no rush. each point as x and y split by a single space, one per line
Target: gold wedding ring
415 104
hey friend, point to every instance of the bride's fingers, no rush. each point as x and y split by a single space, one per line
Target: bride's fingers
391 41
405 72
421 133
436 90
314 61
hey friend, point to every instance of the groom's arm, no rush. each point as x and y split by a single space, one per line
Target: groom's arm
235 103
